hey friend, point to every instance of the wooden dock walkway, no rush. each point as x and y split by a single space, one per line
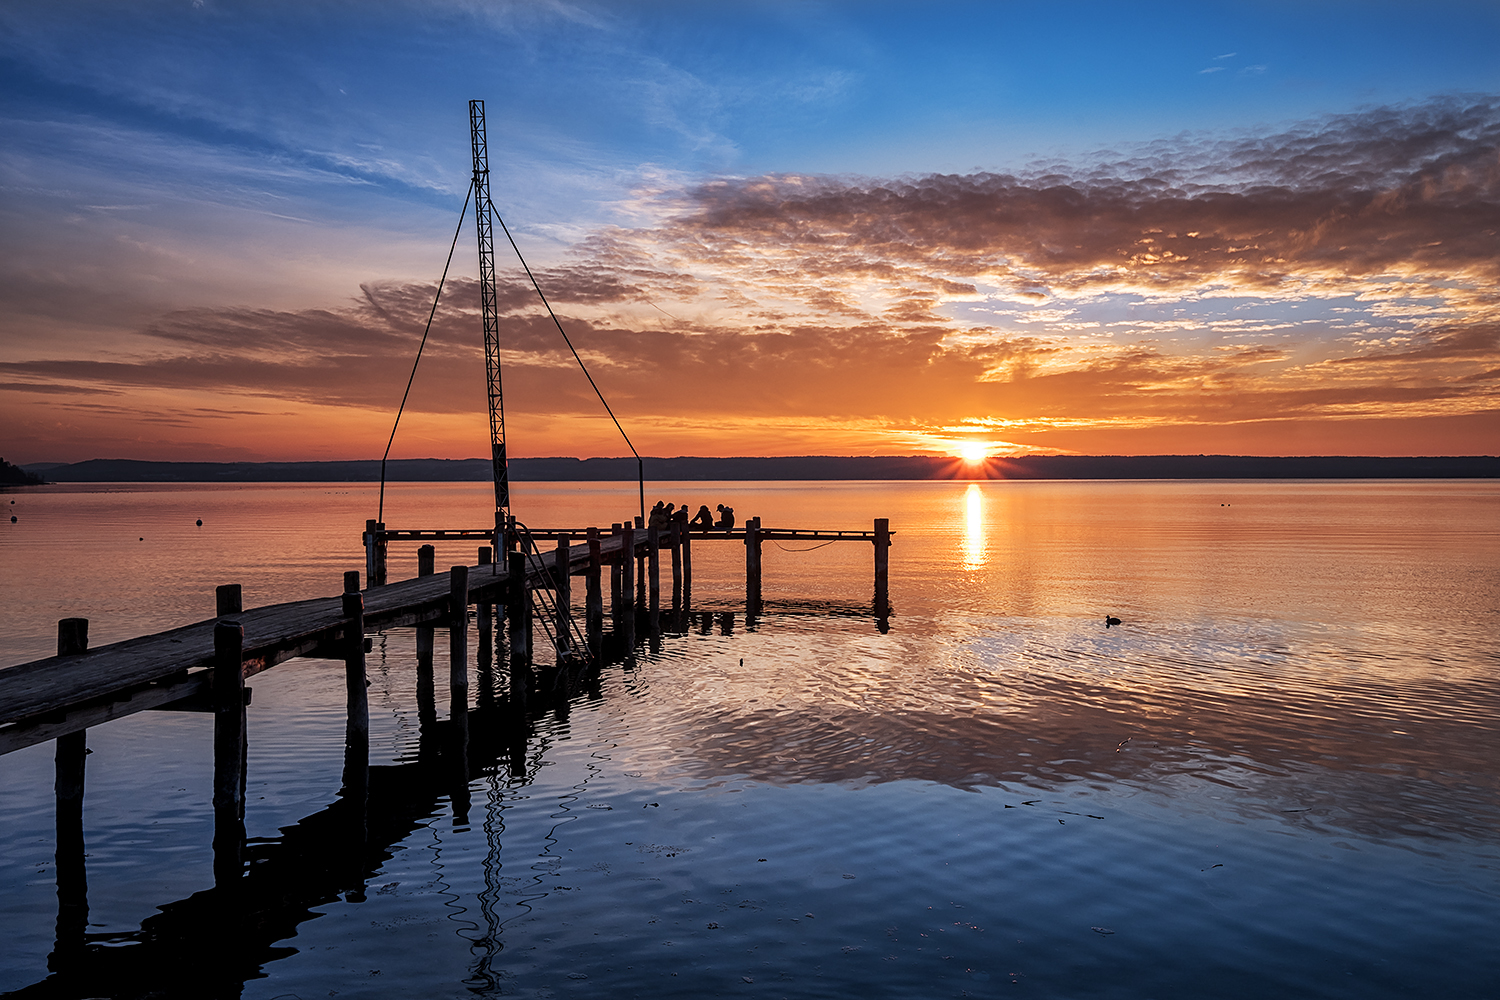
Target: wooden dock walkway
52 697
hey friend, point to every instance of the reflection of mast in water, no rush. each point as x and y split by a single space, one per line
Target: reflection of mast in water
974 535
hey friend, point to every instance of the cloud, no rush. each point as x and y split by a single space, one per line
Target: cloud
1345 268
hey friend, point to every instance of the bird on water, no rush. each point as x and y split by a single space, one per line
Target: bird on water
1110 620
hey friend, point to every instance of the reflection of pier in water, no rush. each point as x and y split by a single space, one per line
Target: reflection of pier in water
264 889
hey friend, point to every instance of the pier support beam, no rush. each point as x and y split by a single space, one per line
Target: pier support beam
72 871
616 574
458 688
593 601
882 567
229 752
653 570
752 563
486 660
357 707
229 600
426 683
627 584
375 553
674 542
563 592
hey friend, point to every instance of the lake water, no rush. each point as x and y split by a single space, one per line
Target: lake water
1278 777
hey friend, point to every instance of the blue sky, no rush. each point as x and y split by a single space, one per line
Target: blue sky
273 158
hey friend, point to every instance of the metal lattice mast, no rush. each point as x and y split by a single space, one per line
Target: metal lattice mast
483 214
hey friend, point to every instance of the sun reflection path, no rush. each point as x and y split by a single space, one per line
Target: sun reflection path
974 539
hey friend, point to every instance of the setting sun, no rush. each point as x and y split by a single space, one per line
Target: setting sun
973 451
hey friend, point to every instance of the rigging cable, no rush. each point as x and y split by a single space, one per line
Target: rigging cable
640 466
808 549
380 517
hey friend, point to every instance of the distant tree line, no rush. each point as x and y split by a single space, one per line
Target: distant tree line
800 467
14 475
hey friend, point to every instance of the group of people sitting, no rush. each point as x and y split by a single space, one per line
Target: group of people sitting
663 514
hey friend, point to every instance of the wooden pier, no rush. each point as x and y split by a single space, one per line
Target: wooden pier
203 667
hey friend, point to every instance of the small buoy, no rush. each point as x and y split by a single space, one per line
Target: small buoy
1110 620
200 522
13 519
143 539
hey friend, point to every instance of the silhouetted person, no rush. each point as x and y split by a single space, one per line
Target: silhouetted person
726 517
704 519
658 517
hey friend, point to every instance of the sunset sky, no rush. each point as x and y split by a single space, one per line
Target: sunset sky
771 228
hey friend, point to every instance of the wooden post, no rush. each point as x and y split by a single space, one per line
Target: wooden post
563 592
653 570
357 709
426 683
616 574
375 553
515 613
72 871
370 550
229 752
882 567
686 537
228 600
627 583
351 582
639 600
486 660
593 602
458 686
674 542
752 562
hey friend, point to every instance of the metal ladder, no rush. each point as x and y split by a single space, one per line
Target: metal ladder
571 646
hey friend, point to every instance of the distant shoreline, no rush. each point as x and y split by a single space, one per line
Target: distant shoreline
795 468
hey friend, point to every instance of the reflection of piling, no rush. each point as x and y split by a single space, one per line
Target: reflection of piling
518 622
426 685
593 599
882 567
72 873
229 752
458 687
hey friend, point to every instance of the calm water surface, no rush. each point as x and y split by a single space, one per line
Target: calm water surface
1277 778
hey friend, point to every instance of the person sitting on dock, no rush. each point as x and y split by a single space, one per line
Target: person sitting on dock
658 518
704 519
726 517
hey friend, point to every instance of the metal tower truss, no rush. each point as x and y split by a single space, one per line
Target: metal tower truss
483 216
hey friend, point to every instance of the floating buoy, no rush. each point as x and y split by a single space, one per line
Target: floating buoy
143 539
200 522
13 517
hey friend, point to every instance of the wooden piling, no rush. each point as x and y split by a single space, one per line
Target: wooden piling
229 752
616 574
426 682
351 582
882 567
674 543
593 603
639 600
627 583
356 791
653 570
228 600
486 659
517 601
563 592
375 553
69 766
458 687
685 536
752 562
